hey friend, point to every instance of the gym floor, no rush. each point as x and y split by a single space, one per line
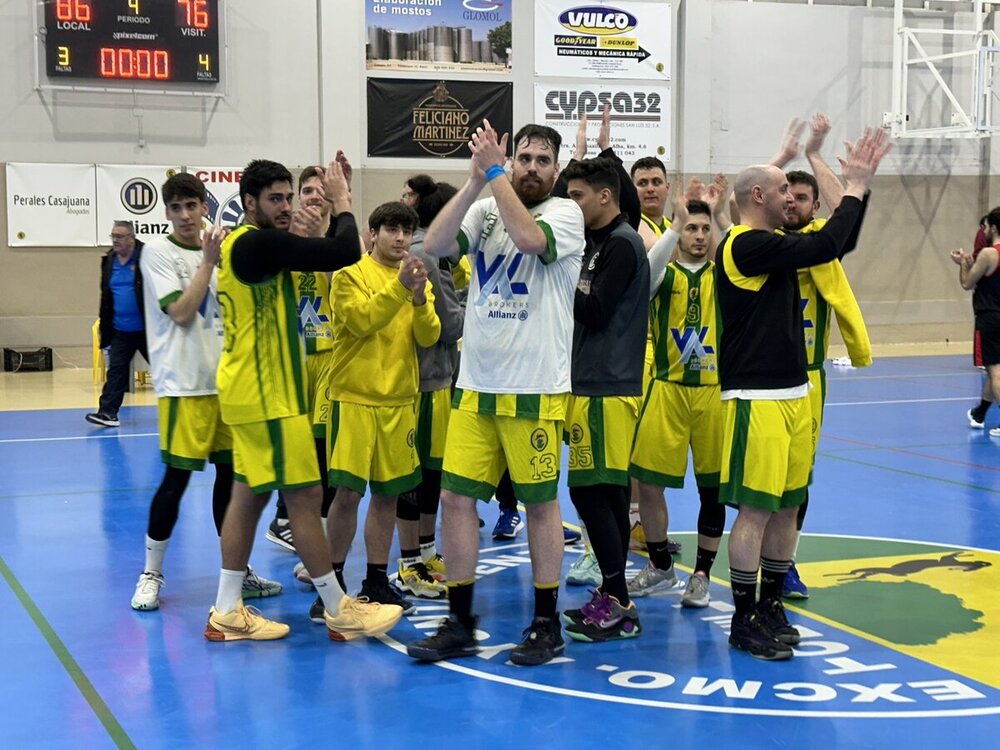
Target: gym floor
900 635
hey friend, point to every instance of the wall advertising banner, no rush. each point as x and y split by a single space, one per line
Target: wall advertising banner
603 39
640 116
51 205
438 35
433 118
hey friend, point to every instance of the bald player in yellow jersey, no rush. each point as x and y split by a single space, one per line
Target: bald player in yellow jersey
263 396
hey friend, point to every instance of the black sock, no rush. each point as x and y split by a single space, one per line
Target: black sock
377 574
429 539
772 577
409 553
703 562
744 583
979 412
659 555
338 568
280 511
460 602
545 601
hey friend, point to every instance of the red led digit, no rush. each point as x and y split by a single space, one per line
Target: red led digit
126 63
144 63
108 69
161 64
195 13
73 10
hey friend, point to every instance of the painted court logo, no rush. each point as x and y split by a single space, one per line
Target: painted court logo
893 629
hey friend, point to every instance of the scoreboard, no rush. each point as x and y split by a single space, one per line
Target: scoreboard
135 41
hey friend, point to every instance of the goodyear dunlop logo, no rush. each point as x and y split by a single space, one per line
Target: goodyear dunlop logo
894 629
597 20
440 123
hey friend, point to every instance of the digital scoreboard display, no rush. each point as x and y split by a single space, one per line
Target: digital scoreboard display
135 41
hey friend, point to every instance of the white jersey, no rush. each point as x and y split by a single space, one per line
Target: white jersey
183 359
518 334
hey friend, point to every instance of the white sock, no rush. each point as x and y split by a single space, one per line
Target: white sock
795 552
428 551
154 555
329 591
230 590
410 561
633 514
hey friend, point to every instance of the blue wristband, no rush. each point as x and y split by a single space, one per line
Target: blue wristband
494 171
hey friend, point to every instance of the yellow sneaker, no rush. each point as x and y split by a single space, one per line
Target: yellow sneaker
417 580
435 566
243 623
358 617
637 538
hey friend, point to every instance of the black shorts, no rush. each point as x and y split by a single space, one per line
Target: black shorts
986 347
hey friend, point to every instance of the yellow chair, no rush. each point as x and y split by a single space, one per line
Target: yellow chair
98 355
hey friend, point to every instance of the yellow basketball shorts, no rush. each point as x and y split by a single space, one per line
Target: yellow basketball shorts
192 430
433 410
318 368
817 402
373 445
674 419
278 454
481 446
599 431
649 365
766 452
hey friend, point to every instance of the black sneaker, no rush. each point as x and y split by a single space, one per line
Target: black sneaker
105 420
280 532
451 641
750 634
673 546
385 593
316 612
772 614
542 642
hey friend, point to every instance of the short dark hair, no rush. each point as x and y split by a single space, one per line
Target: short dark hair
648 162
307 174
798 177
993 218
430 204
393 213
543 132
599 173
183 185
699 207
421 184
260 174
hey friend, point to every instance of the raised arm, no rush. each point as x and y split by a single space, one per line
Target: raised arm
971 270
441 238
663 249
790 145
184 309
830 189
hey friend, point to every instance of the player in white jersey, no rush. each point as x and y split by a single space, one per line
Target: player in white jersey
514 379
184 331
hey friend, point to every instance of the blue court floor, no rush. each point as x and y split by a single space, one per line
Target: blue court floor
901 634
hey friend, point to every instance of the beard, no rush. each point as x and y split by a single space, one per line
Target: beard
532 189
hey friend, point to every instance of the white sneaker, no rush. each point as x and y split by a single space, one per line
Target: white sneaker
973 423
256 587
995 432
696 593
652 580
301 574
147 591
585 571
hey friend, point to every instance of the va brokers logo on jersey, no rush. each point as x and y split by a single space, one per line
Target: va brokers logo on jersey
902 630
691 343
496 279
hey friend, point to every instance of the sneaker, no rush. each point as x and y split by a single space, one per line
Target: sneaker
451 641
316 611
280 532
542 642
772 614
585 571
416 579
508 525
570 536
609 621
793 587
255 587
147 591
301 574
243 623
673 546
578 615
750 634
696 593
637 538
995 432
435 566
385 593
105 420
652 580
976 421
358 617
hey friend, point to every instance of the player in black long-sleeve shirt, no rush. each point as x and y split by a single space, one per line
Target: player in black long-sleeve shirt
762 370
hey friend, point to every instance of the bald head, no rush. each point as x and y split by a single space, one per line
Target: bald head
759 175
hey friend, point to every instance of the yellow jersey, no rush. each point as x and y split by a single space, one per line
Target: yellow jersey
313 290
682 325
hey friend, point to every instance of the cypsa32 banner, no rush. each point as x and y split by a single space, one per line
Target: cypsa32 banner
433 118
640 115
607 40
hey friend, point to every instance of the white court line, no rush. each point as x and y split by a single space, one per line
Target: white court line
81 437
901 401
903 376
